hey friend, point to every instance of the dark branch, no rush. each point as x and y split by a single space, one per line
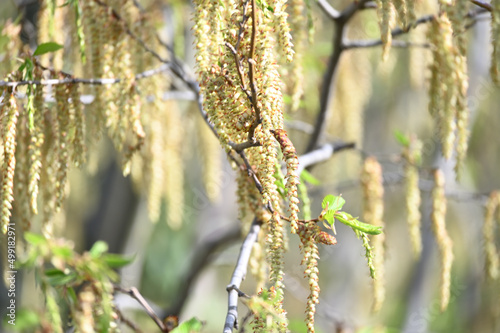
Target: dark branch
326 96
134 293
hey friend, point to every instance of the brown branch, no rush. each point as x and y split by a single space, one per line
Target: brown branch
357 44
484 5
127 322
326 97
135 294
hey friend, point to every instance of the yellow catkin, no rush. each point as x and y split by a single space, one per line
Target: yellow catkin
63 119
49 184
298 24
157 174
412 195
492 255
443 240
352 93
373 211
35 146
21 180
78 127
281 25
96 27
211 158
495 41
386 17
310 260
174 171
10 114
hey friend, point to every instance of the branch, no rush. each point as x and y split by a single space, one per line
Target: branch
200 260
238 276
356 44
322 154
484 5
328 9
326 96
134 293
74 80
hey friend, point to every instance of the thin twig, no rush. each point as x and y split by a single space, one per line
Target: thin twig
133 326
134 293
74 80
484 5
357 44
239 274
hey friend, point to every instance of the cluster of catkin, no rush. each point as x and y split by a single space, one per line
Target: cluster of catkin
50 129
449 80
237 66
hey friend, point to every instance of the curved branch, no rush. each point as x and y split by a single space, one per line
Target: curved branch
326 97
238 276
322 154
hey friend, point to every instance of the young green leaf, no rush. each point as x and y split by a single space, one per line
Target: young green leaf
34 239
116 260
98 249
357 225
47 48
190 326
401 138
335 203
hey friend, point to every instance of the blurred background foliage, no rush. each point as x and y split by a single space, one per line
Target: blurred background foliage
373 100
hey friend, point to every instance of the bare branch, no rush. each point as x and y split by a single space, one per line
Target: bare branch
326 97
238 276
74 80
484 5
322 154
356 44
134 293
328 9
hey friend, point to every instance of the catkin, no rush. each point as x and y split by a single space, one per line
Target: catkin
10 114
412 195
492 256
386 17
495 41
373 211
443 240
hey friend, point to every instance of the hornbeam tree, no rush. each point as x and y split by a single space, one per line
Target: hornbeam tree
290 102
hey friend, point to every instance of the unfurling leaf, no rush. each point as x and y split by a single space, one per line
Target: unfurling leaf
47 48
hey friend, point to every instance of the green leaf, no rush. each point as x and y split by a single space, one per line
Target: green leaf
34 239
73 300
56 277
401 138
335 203
116 260
357 225
46 48
98 249
63 252
308 177
190 326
